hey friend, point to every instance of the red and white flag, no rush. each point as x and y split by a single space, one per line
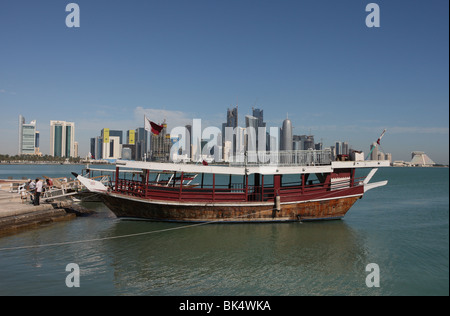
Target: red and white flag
379 138
152 127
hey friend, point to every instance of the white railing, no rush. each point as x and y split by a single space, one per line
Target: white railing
284 158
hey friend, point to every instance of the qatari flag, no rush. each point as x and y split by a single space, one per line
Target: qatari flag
381 136
152 127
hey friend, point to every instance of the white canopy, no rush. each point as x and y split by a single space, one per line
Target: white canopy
261 169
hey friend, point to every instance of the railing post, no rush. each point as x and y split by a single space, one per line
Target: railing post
246 188
262 188
117 178
146 182
303 183
181 185
214 187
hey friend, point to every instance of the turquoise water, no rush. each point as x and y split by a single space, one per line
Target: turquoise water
402 227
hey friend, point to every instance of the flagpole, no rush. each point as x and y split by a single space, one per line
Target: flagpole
146 138
378 142
149 135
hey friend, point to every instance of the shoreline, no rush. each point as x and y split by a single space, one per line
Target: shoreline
17 215
53 163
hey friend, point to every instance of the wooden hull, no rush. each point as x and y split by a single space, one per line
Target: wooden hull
319 208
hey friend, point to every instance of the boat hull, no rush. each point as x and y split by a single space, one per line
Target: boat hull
317 209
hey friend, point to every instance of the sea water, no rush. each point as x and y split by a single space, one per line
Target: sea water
402 228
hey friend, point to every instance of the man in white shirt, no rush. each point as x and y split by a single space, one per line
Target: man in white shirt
38 191
32 189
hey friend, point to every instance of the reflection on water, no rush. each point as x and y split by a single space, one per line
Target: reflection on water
213 259
239 259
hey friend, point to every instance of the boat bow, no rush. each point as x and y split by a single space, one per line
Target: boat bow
368 186
90 184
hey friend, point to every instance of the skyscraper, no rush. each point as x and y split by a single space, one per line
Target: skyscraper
111 143
308 142
97 152
160 144
232 117
188 141
259 114
36 143
286 135
345 149
62 139
142 140
232 121
251 124
94 148
27 137
339 148
131 137
374 149
297 142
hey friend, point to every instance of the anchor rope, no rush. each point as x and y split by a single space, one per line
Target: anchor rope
126 236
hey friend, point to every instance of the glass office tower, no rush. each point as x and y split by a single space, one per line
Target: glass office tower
62 139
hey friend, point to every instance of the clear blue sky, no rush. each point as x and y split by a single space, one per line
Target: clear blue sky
182 59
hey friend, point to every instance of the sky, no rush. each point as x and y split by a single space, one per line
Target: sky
314 61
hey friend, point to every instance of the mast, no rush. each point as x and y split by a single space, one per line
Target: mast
377 143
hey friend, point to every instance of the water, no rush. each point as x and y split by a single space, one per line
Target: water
403 227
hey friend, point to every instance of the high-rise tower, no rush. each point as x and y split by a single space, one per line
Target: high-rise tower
259 114
286 135
62 139
27 137
232 117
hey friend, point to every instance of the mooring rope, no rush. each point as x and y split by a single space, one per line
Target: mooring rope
129 235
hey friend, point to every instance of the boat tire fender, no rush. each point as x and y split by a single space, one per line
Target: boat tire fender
277 203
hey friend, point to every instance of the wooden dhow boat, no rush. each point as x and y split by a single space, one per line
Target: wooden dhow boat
289 191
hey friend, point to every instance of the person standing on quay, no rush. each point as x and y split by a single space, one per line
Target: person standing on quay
38 191
32 189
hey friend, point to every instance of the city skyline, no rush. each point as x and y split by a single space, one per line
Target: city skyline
316 62
138 146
